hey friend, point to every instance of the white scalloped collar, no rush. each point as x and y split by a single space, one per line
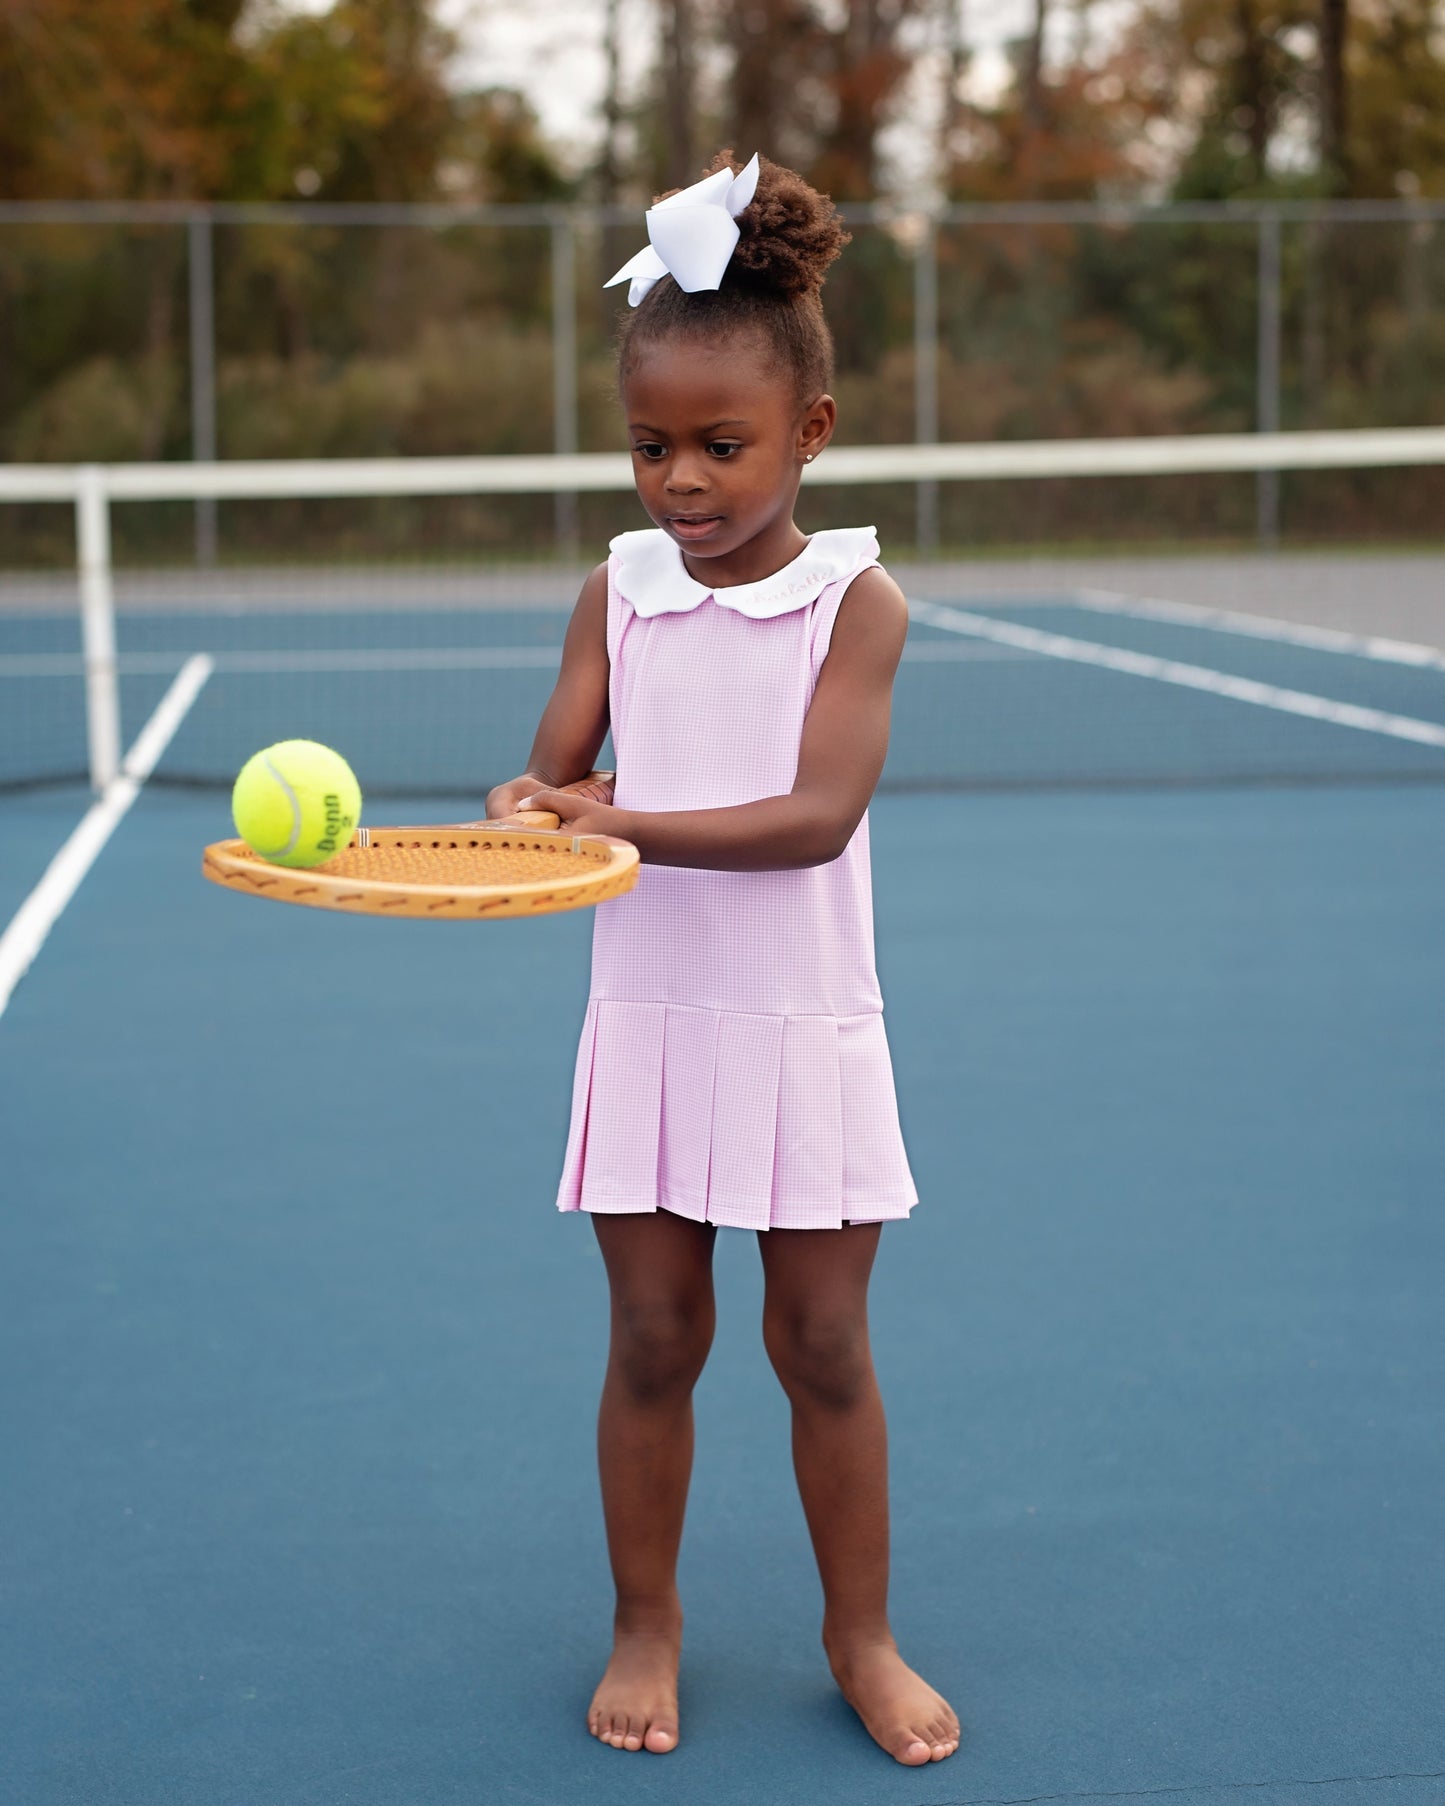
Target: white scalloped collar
653 578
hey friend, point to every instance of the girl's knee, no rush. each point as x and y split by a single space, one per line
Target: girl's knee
821 1359
659 1346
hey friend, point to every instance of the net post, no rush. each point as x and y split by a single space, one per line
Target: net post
564 370
925 373
97 625
201 278
1267 363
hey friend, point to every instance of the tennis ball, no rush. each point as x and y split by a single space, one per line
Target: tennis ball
296 803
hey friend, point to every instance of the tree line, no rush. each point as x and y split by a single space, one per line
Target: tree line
337 340
246 100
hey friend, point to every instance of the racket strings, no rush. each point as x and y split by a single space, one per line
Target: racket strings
460 862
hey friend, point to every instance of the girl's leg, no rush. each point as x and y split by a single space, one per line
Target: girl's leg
815 1329
659 1267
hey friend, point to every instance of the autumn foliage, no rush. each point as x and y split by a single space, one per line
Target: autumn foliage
364 340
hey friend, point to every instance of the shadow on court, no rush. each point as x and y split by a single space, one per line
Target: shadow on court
303 1364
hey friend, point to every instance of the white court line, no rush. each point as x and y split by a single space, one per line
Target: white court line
47 664
1262 627
401 658
397 658
1171 671
40 911
441 658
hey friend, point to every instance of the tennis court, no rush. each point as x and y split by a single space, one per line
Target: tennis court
304 1365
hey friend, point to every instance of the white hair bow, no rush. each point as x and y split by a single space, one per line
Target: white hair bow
693 232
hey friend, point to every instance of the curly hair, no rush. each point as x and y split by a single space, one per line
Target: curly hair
789 234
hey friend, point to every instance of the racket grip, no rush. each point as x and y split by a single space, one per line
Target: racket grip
544 818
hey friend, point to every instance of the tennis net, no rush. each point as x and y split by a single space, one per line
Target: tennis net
411 612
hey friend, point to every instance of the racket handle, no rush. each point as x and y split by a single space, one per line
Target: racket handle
544 818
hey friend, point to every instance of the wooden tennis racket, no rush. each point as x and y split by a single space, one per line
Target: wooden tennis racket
477 871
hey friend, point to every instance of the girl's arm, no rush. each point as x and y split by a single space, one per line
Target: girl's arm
845 740
574 722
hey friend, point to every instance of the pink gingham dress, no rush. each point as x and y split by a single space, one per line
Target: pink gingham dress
732 1066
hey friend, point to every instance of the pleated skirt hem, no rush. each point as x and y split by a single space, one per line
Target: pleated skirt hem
747 1121
850 1215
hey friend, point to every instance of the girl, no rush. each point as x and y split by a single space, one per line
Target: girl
733 1067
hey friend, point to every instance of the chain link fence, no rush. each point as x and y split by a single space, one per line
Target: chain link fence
179 332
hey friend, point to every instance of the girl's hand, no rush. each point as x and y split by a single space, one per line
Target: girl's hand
587 811
505 800
502 801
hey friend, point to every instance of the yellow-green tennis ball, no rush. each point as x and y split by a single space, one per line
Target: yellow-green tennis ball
296 803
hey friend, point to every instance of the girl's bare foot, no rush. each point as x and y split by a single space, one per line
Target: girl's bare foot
900 1711
635 1705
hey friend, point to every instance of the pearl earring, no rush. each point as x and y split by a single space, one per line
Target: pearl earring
809 457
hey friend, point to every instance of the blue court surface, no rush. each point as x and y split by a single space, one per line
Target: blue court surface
302 1364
